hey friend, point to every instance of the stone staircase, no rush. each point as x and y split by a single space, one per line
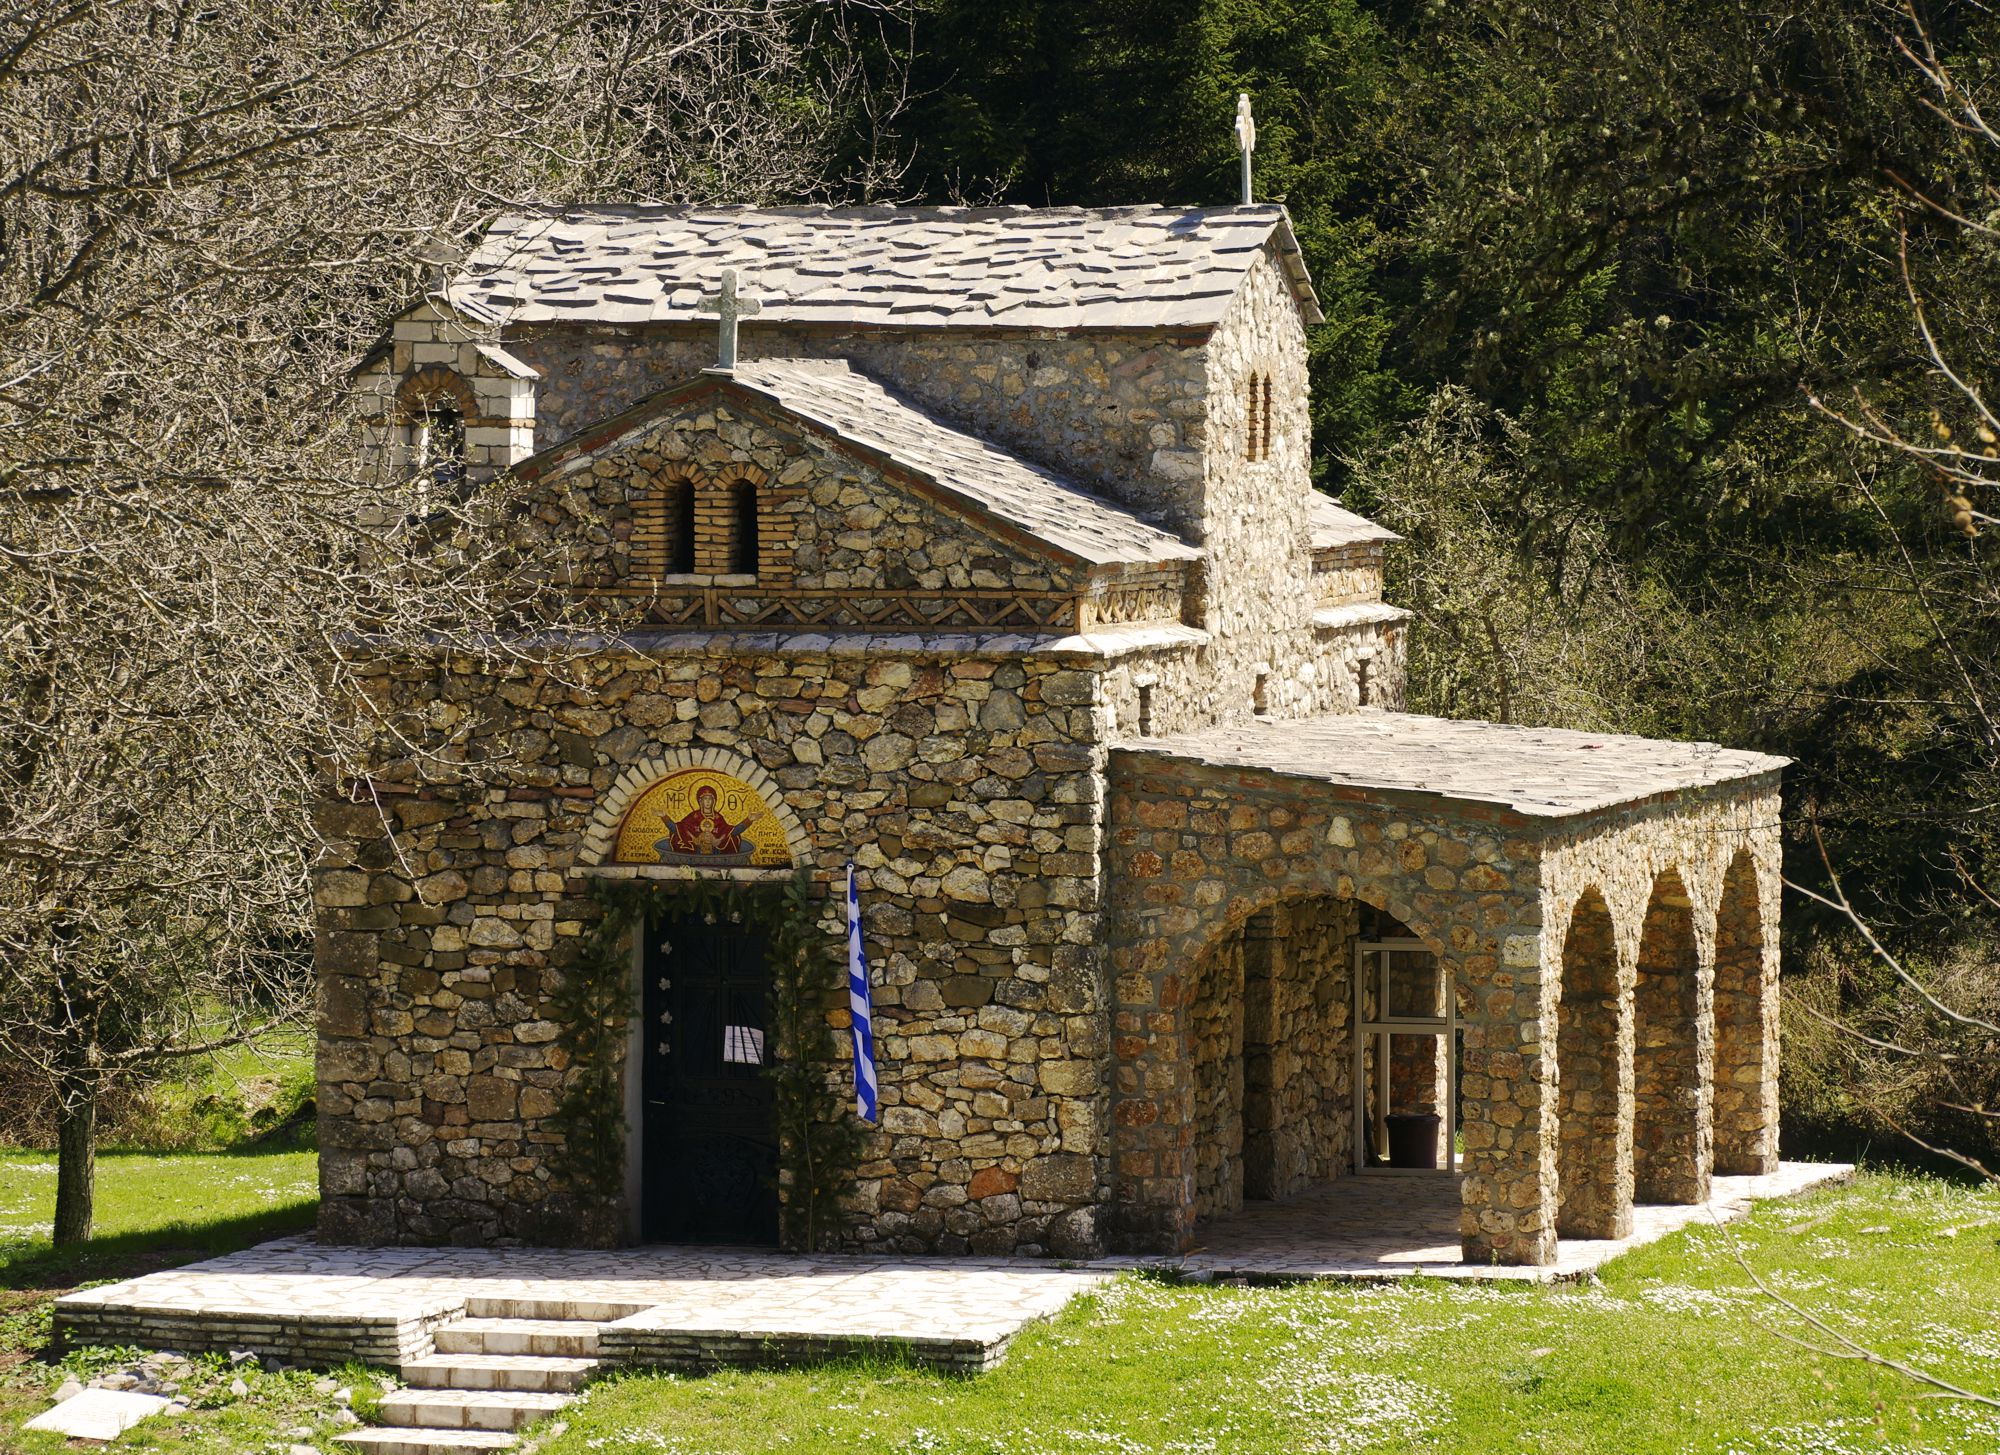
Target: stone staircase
506 1364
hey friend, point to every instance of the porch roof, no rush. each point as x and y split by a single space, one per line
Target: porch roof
1544 773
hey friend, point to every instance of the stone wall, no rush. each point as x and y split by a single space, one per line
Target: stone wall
1298 1107
1121 413
839 539
965 789
1676 880
1194 851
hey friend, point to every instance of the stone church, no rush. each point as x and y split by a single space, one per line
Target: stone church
977 548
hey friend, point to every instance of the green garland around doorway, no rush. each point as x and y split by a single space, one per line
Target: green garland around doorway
819 1141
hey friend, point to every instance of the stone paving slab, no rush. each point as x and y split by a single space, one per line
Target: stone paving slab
98 1415
1381 1226
683 1306
705 1307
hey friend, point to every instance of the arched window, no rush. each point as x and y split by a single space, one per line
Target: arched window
680 527
434 406
440 443
743 528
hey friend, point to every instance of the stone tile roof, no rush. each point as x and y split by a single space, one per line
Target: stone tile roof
861 412
1333 526
1537 772
978 479
900 267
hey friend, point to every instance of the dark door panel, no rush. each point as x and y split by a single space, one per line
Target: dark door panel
709 1140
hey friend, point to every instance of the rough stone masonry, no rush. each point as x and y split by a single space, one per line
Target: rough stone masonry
994 567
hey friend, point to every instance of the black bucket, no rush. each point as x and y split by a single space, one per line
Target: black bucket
1413 1139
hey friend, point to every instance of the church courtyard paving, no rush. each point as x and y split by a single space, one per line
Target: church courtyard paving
699 1308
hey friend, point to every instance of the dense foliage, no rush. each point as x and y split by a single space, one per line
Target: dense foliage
1661 330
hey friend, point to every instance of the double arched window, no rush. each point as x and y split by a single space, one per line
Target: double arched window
711 527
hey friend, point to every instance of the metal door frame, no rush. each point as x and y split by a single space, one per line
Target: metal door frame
1381 1029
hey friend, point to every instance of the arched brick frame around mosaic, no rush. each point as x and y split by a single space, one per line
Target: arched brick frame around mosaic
1593 1076
1745 1105
601 833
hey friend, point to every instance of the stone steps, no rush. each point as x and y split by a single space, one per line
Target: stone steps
546 1338
532 1373
381 1440
469 1409
550 1310
494 1372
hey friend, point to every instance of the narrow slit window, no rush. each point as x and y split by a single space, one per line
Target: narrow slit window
680 527
743 534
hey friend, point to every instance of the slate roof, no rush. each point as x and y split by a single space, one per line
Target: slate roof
901 267
1536 772
981 480
1333 526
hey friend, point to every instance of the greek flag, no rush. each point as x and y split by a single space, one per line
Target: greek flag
858 1011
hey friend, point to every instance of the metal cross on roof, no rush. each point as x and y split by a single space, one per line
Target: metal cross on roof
728 307
1246 138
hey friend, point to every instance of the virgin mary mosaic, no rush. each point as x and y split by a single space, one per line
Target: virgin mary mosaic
703 817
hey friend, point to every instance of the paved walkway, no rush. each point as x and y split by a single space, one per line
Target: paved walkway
1389 1225
699 1307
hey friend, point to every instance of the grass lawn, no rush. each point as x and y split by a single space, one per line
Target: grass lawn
1671 1351
154 1210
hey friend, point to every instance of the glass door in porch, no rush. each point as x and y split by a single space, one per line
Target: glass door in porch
1405 1072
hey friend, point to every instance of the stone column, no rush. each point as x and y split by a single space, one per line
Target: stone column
1509 1123
1263 967
1673 1054
1746 1029
1594 1078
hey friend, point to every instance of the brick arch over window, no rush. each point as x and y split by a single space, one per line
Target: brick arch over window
1673 1053
601 833
1593 1079
431 385
1746 1028
664 537
726 533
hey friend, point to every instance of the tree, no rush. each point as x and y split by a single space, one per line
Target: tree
205 213
1052 104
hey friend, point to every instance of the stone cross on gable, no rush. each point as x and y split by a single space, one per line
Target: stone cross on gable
728 307
1246 138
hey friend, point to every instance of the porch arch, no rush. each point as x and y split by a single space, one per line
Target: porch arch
1593 1079
1746 1028
1673 1053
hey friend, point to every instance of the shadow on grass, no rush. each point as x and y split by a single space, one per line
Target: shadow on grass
34 1265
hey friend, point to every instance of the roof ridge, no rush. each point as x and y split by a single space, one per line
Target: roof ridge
1137 266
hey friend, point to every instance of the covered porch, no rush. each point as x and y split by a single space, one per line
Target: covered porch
1560 946
1372 1229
